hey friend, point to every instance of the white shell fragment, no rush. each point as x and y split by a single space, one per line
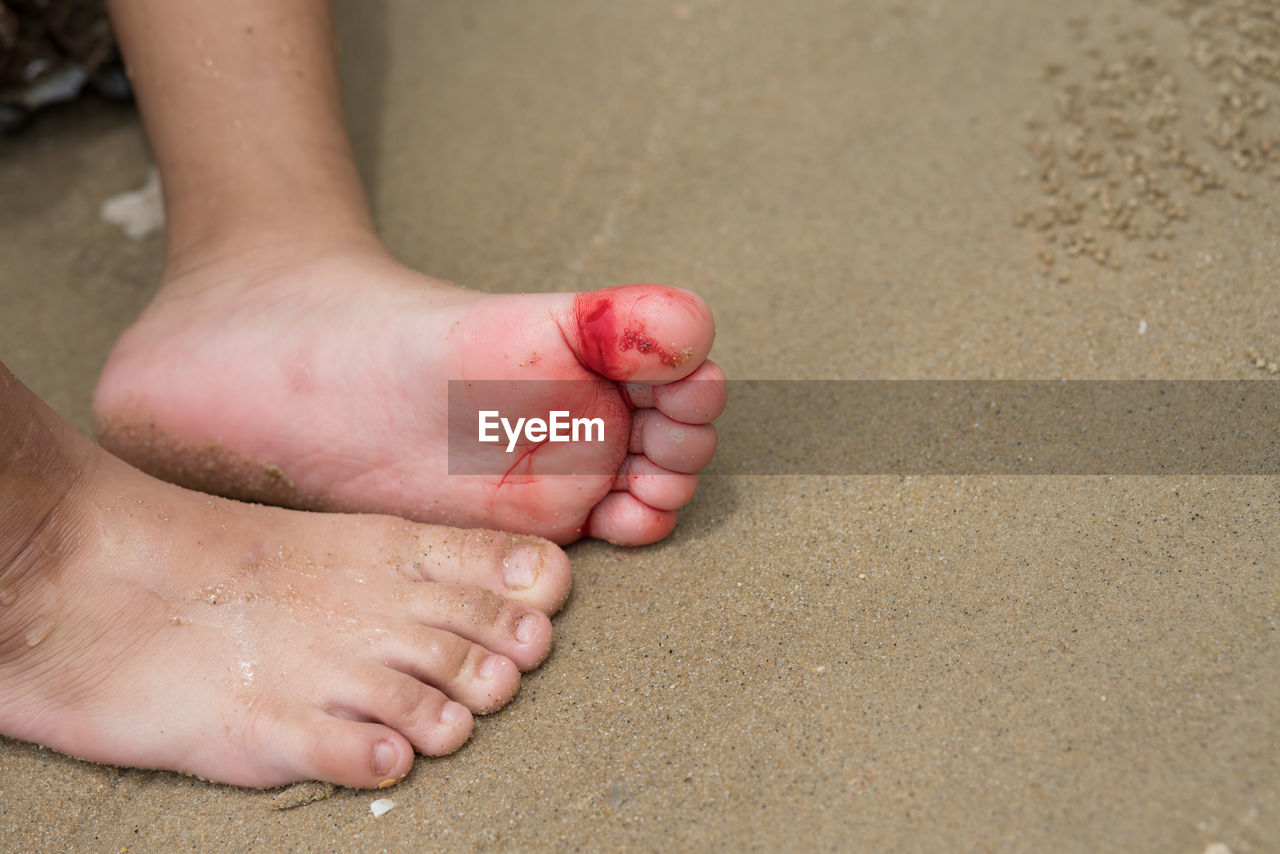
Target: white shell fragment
139 213
381 805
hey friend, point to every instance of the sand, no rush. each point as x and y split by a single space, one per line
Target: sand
884 189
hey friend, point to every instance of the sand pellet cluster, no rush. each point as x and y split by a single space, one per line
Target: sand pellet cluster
1122 159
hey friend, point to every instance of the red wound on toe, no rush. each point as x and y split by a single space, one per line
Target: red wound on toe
618 338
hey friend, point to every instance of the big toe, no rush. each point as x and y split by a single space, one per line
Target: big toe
640 333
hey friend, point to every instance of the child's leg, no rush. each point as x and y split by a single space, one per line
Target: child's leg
145 625
242 108
286 341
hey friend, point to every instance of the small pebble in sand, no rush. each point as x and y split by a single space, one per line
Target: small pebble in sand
1217 848
381 806
1262 362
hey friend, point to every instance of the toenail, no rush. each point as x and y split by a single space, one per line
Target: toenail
453 714
490 667
527 628
520 568
390 781
384 756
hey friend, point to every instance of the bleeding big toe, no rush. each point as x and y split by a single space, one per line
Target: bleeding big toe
641 333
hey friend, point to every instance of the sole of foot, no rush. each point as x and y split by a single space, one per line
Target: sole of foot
324 384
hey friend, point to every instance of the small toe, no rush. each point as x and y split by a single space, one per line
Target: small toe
655 486
528 569
350 753
517 631
625 520
466 672
430 721
678 447
699 398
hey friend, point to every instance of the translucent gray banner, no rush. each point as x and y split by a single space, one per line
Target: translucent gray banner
945 427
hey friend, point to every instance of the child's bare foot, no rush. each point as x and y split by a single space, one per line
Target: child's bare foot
319 380
145 625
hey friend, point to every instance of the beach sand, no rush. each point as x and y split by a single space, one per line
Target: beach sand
882 189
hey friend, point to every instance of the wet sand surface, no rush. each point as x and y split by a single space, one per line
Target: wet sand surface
884 189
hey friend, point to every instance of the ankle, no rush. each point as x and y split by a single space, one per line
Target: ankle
265 244
43 473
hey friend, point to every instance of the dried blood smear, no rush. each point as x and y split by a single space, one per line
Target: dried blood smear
604 340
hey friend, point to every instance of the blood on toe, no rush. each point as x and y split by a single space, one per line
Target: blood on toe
605 336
